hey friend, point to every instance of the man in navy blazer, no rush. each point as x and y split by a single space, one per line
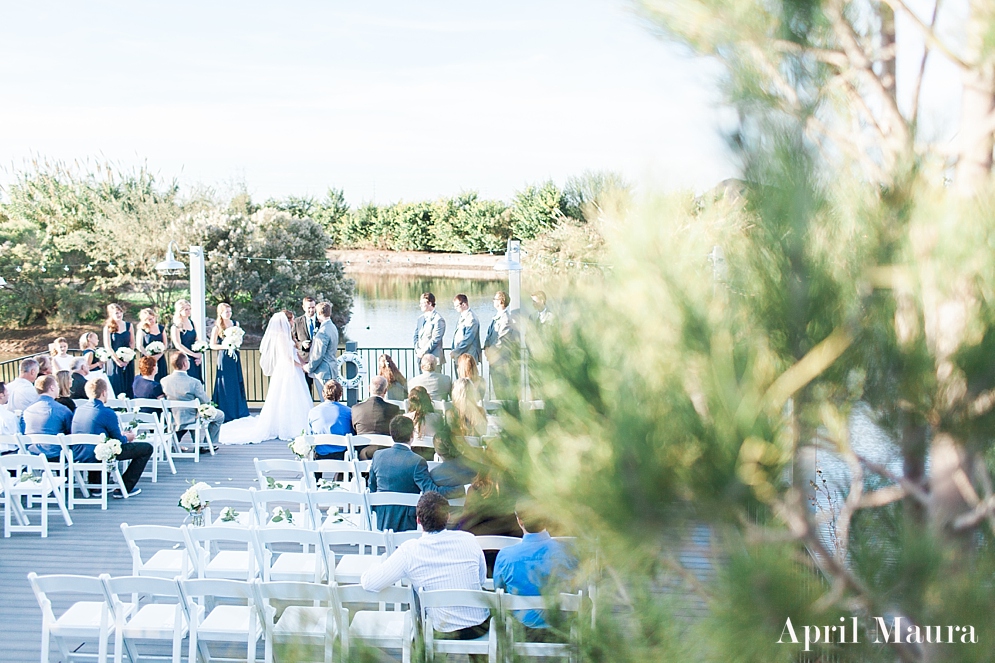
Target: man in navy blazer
96 418
398 469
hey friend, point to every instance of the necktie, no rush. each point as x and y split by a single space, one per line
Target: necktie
310 327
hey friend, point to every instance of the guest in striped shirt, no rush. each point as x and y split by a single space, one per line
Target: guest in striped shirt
438 559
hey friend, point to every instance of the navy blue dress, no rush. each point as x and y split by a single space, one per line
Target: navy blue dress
147 338
229 388
121 378
188 338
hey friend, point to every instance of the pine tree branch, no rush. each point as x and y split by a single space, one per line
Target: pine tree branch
917 88
932 40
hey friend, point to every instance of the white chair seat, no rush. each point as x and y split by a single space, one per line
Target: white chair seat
294 566
350 568
155 621
165 564
227 623
302 622
241 520
344 521
370 625
83 616
228 564
479 645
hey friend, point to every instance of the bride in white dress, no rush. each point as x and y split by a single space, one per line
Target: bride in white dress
288 401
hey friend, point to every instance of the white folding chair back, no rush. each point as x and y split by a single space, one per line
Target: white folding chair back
388 498
372 438
389 629
291 553
442 406
117 403
63 466
495 543
330 439
199 429
281 473
283 508
170 562
342 510
163 617
12 443
218 498
236 560
522 647
329 469
301 625
107 473
395 539
371 549
32 478
149 428
213 622
87 620
443 599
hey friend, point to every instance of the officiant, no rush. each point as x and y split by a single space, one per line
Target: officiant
303 332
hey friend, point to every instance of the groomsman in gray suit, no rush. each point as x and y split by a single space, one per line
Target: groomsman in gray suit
322 364
429 329
466 338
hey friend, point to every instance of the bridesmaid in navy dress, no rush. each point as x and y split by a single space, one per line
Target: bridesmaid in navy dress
229 388
184 335
149 331
119 334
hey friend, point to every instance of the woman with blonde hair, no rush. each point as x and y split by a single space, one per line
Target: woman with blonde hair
185 335
119 334
397 384
467 418
150 331
59 349
466 367
65 381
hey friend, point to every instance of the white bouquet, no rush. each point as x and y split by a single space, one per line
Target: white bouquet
301 446
102 354
190 499
125 354
107 451
281 514
200 346
207 411
232 340
155 348
229 515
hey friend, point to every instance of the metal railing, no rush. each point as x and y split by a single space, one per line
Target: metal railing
256 383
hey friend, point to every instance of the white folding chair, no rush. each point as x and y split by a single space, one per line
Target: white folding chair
329 468
164 562
218 498
522 647
149 428
63 466
330 439
162 617
495 543
388 498
85 620
236 561
294 506
12 443
386 629
395 539
112 472
371 549
433 600
118 404
224 623
199 429
343 510
299 625
442 406
304 562
32 478
281 473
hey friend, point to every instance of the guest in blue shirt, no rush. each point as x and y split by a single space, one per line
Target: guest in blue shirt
96 418
330 416
47 416
532 566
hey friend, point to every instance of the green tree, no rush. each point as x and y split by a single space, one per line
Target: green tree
536 209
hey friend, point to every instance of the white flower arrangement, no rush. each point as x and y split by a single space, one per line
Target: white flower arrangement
102 354
190 499
29 477
282 514
207 411
229 515
200 346
301 446
232 340
107 451
125 354
155 348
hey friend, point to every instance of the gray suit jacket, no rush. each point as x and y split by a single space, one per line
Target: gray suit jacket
437 329
178 386
437 385
322 364
398 469
466 338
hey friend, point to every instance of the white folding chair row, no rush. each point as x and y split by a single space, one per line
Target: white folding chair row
32 477
249 506
199 430
150 424
13 443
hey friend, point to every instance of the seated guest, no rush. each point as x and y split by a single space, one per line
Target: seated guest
454 471
422 412
531 567
96 418
9 424
21 390
47 417
178 386
488 512
373 416
81 369
467 418
436 384
397 384
398 469
145 384
466 367
65 381
438 559
44 364
330 416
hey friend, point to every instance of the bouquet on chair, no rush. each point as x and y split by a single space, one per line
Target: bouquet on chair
301 446
107 451
207 411
282 515
155 348
125 354
190 499
232 340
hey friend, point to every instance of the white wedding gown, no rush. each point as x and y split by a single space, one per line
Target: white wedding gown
288 401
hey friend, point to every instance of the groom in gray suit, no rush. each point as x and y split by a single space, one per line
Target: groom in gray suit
322 364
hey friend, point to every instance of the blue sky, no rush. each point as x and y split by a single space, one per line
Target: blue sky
386 100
